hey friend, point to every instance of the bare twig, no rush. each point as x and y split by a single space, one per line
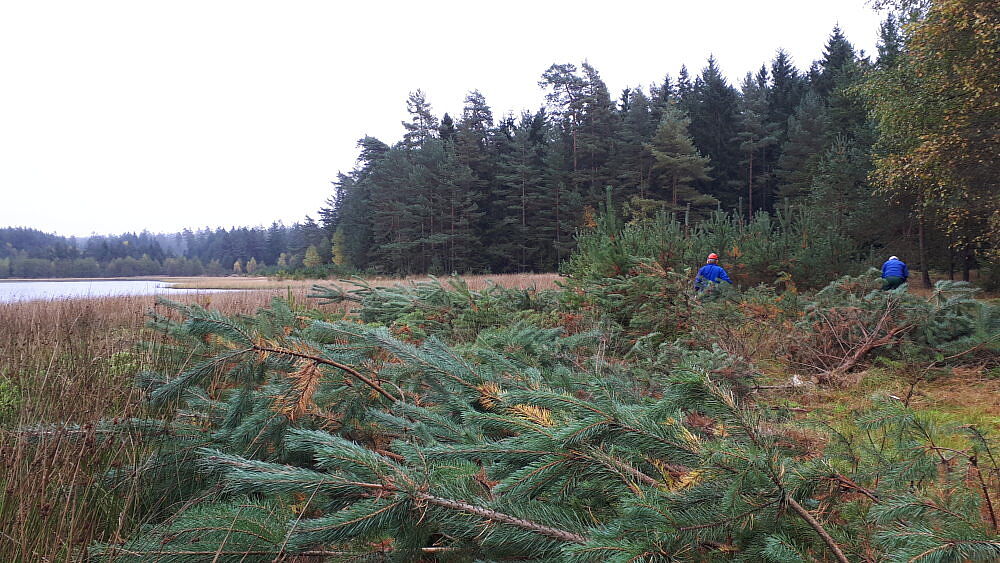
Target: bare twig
827 539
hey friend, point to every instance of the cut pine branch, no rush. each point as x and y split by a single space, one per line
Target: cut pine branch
815 525
319 360
836 374
548 531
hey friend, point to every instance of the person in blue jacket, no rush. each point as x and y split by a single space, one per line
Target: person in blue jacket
711 273
894 272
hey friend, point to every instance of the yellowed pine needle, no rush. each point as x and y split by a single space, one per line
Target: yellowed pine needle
299 399
489 394
538 415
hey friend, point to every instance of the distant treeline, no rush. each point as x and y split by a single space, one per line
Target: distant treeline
475 193
29 253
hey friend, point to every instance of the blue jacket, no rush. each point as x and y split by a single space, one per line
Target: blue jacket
895 268
710 273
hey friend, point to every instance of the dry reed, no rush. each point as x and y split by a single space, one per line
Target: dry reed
66 365
537 281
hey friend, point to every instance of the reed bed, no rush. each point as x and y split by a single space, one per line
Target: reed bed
524 281
66 365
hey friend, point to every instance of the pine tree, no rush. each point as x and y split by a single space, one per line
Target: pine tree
677 163
290 436
422 125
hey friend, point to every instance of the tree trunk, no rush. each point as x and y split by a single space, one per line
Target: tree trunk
966 263
750 187
924 274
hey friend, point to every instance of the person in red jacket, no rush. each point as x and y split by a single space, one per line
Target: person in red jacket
711 273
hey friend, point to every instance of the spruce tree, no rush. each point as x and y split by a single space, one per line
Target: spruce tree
803 149
634 160
756 136
714 114
523 234
838 54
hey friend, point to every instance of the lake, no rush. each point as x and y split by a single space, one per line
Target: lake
43 290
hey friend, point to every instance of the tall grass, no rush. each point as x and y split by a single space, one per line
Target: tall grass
65 366
524 281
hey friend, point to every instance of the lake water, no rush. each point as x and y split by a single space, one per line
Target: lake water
41 290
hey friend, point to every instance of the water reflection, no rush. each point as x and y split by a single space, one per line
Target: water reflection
45 290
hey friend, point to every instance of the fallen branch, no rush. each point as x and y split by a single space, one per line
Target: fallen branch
860 352
554 533
827 539
343 367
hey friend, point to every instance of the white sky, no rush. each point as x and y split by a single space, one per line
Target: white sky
131 115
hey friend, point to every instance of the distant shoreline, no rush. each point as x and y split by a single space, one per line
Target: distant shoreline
164 279
126 278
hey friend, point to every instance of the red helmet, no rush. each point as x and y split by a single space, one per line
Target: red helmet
713 256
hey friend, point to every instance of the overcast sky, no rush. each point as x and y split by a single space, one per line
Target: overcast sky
132 115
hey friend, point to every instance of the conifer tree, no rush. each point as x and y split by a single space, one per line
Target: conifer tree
660 96
598 128
634 160
446 132
713 127
803 149
677 163
756 135
685 90
838 54
338 255
288 436
785 93
523 235
422 125
312 258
